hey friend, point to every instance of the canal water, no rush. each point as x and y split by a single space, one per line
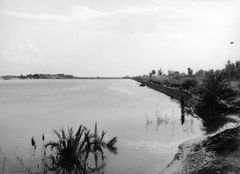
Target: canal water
147 123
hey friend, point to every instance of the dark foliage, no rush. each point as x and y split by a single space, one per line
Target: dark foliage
189 83
72 152
215 95
232 71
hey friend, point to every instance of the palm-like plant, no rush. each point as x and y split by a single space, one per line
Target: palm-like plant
98 145
71 153
215 86
68 152
213 91
215 97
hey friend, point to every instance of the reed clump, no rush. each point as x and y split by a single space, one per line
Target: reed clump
80 152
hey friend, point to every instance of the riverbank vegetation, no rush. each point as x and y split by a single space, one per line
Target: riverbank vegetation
217 92
216 95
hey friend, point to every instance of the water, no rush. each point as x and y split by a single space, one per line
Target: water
120 107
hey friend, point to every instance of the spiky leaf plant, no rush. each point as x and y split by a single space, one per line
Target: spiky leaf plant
98 144
72 152
215 100
68 152
215 94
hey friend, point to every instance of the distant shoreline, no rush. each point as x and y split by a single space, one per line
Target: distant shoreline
53 76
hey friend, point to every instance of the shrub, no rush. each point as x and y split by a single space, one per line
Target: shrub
189 83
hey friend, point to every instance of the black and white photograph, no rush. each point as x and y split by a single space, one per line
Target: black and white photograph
119 86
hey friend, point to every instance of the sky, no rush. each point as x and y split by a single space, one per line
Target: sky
117 38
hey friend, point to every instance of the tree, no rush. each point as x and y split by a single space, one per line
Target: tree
232 71
189 83
173 73
237 65
215 92
160 72
215 100
152 73
190 71
200 73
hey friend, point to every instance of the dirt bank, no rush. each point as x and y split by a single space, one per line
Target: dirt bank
190 99
219 153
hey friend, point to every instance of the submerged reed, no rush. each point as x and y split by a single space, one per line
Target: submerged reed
80 152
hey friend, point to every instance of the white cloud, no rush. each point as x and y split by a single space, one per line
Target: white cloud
131 39
149 18
84 13
19 53
78 12
42 16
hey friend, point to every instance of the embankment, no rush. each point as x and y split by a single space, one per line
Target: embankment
189 99
219 153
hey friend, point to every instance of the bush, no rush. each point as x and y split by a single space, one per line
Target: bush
189 83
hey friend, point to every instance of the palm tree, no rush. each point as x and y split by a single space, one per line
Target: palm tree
215 88
215 99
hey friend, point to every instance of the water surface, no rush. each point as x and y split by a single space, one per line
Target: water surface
120 107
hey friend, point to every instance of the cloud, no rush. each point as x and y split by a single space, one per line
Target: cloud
154 18
19 53
125 20
84 13
78 13
42 16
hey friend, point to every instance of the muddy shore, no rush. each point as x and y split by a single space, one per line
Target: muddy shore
219 153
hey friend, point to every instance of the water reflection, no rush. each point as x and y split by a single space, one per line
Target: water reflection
182 110
170 123
212 125
148 121
182 119
213 116
82 152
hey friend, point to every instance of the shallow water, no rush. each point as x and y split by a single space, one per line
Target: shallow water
120 107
